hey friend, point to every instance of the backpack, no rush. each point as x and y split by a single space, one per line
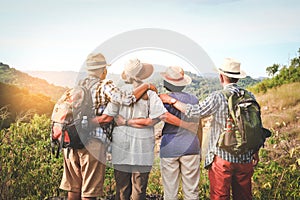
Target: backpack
243 129
70 116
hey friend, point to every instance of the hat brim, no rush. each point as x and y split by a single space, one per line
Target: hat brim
144 73
182 82
93 67
242 74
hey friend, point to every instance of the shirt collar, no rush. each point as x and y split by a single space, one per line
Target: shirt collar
230 85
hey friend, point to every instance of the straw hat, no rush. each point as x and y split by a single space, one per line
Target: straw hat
136 70
231 68
175 75
95 61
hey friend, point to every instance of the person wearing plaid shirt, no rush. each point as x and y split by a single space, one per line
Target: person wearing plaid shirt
225 170
84 169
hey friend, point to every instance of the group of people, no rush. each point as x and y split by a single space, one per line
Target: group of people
136 108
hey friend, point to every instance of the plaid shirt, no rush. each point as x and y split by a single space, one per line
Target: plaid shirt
105 91
216 105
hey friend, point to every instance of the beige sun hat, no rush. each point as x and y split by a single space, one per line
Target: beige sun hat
137 70
175 75
232 68
95 61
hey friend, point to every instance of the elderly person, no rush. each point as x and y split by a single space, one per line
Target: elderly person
132 148
180 148
84 169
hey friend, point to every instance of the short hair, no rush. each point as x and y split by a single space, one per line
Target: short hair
230 79
173 88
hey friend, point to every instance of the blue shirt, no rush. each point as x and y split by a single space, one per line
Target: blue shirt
216 105
177 141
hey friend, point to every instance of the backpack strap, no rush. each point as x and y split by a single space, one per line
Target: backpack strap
88 82
62 140
229 95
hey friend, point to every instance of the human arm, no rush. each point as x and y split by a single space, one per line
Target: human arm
207 107
140 90
108 114
165 98
103 119
136 122
255 159
124 97
172 119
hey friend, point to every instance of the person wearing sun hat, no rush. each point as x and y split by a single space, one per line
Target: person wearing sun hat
84 169
180 148
132 147
225 170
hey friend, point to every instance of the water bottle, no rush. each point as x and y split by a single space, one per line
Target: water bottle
84 123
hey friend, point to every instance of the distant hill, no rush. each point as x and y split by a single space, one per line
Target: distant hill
20 104
34 85
60 78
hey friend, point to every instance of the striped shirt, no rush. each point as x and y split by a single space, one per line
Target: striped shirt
216 105
103 92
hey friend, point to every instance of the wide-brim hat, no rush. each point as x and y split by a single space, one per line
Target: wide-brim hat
95 61
175 75
232 68
137 70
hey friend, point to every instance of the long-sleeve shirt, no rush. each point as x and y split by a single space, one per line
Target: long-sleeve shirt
216 105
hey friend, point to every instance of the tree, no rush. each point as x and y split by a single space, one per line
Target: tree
272 70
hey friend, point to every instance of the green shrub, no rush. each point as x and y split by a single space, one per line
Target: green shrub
278 174
28 171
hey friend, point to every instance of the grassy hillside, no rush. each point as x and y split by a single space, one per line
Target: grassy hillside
281 107
18 104
278 174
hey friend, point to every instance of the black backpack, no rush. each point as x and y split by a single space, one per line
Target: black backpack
243 130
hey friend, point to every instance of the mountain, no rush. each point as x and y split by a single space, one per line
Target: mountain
34 85
61 78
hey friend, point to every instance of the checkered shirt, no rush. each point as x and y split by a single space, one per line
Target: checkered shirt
103 92
216 105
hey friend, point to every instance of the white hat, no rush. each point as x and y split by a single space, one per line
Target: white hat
231 68
95 61
175 75
136 70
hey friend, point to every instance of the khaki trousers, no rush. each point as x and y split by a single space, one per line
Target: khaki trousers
186 168
84 169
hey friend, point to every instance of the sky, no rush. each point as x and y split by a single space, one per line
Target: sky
57 35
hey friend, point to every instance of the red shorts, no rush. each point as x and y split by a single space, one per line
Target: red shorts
223 175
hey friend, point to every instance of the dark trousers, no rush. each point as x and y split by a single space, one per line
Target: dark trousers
131 183
223 175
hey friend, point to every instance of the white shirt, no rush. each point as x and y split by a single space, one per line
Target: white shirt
135 146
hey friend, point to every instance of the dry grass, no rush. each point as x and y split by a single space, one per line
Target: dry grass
280 98
281 107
